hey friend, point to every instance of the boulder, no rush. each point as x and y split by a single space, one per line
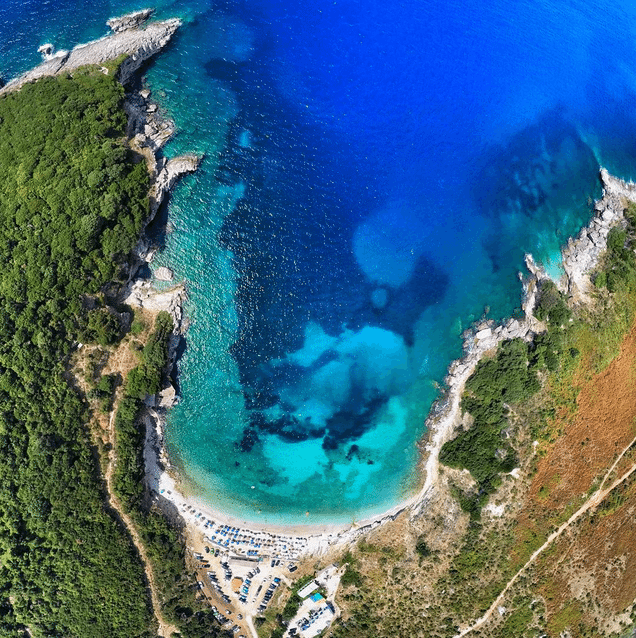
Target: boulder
163 273
46 50
484 334
168 397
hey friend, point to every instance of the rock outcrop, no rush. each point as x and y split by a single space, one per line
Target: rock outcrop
146 128
129 21
130 40
46 50
148 131
164 273
140 294
581 254
167 177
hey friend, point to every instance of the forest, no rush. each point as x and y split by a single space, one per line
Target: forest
73 201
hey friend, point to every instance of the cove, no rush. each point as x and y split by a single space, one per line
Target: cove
373 177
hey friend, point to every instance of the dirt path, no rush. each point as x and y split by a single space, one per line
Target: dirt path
165 629
592 502
616 462
250 624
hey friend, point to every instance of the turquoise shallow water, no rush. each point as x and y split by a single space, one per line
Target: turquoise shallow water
373 175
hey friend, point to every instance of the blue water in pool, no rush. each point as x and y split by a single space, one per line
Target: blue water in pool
374 173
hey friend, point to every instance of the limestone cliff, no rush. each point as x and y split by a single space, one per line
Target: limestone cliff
581 254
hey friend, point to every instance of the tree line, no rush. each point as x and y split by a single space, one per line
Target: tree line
73 198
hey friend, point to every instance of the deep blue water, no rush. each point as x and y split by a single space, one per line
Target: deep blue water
374 174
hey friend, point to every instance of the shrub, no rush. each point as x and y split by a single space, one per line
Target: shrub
551 305
506 378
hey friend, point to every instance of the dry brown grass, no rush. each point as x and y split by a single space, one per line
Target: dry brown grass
585 578
595 564
603 425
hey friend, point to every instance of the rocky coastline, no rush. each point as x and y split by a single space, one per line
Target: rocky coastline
580 257
581 254
137 40
132 37
148 132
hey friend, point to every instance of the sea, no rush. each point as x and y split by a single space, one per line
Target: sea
373 174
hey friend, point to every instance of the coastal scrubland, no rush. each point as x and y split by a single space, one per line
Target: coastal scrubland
74 201
546 425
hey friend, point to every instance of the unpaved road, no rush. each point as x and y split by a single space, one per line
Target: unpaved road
165 629
591 503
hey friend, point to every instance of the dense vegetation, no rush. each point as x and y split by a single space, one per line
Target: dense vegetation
497 382
619 270
164 546
73 200
507 378
143 380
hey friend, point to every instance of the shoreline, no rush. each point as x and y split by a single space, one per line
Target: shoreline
148 132
579 256
131 37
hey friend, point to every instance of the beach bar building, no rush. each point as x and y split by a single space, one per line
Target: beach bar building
310 588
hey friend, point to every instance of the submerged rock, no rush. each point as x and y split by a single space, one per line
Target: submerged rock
379 298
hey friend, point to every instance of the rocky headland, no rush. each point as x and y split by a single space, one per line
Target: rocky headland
137 40
580 257
132 36
581 254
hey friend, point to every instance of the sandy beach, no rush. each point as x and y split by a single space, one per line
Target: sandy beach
293 542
